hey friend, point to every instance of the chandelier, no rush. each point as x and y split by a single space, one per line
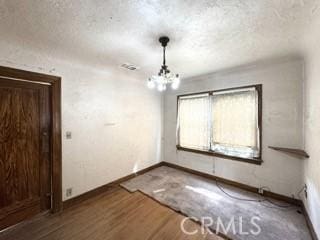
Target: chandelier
164 77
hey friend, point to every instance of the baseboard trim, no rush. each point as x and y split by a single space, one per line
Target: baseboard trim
104 188
97 191
107 187
309 223
273 195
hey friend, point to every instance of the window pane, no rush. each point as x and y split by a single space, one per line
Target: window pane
235 122
193 122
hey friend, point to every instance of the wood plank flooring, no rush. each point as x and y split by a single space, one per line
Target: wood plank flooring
116 214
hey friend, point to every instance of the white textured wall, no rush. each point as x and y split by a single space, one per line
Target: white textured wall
116 122
281 126
312 124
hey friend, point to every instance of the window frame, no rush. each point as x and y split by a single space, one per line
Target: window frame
257 160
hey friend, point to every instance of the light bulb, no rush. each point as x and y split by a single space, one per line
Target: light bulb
164 87
151 84
161 87
176 82
174 86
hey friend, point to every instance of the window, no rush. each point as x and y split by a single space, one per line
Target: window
194 128
224 123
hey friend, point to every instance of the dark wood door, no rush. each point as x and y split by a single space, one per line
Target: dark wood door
25 179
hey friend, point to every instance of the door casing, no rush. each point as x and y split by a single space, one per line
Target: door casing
56 150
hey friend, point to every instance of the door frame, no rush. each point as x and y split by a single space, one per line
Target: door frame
56 150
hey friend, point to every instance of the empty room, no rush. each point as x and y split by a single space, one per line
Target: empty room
149 119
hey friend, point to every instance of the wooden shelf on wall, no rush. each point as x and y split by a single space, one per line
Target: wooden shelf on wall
298 152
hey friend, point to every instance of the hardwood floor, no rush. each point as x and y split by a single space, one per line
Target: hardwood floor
116 214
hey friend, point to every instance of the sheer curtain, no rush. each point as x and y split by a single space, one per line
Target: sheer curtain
235 122
193 121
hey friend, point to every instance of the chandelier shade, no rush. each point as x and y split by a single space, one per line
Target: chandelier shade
164 77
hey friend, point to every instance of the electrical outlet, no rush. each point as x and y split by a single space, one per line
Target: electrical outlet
69 192
306 191
260 190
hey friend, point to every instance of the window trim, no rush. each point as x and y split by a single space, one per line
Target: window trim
258 160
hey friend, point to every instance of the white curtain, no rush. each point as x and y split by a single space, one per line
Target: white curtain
235 122
193 121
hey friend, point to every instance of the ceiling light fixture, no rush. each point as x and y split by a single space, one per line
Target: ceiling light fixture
164 76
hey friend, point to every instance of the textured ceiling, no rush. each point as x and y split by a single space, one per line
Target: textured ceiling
206 35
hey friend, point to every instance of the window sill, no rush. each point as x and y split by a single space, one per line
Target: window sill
256 161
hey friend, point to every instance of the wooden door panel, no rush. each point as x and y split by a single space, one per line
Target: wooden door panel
19 114
17 215
24 156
